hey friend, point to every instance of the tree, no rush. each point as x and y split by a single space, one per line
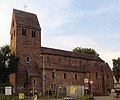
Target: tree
85 51
8 64
116 68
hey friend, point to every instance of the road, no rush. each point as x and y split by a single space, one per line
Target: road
105 98
95 98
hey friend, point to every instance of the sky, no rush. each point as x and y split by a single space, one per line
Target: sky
67 24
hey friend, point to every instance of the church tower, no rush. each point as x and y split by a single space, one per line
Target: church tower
25 43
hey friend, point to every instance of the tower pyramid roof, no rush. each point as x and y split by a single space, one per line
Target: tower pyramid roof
26 19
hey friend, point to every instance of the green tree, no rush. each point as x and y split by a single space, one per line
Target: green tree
116 68
85 51
8 64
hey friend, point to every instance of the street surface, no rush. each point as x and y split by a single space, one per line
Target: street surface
105 98
98 98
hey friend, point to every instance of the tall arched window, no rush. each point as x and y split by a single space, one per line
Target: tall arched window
65 76
48 60
24 31
96 75
76 76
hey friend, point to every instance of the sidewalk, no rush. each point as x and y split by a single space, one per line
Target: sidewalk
105 98
95 98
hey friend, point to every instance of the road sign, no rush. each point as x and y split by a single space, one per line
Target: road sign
8 90
86 88
86 80
72 89
91 82
21 96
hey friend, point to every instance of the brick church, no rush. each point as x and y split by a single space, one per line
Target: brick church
47 68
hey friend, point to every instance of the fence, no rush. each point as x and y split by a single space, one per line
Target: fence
6 93
28 93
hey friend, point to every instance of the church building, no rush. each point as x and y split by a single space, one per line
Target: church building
42 68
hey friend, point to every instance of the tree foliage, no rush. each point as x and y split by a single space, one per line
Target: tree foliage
8 64
85 51
116 68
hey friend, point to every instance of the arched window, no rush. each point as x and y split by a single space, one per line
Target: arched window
48 60
33 33
53 74
59 60
96 75
76 76
69 61
24 31
28 59
65 76
34 82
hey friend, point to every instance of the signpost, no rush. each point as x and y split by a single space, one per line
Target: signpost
91 82
21 96
86 80
8 90
86 85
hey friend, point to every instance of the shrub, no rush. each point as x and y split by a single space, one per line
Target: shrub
86 98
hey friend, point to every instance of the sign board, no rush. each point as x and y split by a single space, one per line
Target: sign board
86 85
86 88
8 90
21 96
72 89
86 80
75 91
35 97
91 82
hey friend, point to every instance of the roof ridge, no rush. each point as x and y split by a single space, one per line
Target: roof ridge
46 50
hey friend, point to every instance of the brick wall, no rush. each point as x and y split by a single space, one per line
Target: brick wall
102 78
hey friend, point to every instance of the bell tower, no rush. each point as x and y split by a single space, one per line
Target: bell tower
25 42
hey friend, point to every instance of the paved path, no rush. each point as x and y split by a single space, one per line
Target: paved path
105 98
95 98
102 98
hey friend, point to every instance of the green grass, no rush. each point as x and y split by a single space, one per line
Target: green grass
86 98
13 97
16 97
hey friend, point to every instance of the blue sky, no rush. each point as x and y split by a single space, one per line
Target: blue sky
67 24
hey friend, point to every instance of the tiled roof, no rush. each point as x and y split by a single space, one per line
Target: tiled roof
26 19
67 68
57 52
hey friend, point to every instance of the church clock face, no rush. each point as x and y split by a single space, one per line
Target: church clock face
27 42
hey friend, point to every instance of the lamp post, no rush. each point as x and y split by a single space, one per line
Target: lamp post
43 75
86 85
54 70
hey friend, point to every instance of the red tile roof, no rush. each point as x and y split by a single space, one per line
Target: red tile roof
26 19
57 52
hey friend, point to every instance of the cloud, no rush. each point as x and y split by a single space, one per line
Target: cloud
67 23
54 14
68 42
108 56
101 10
